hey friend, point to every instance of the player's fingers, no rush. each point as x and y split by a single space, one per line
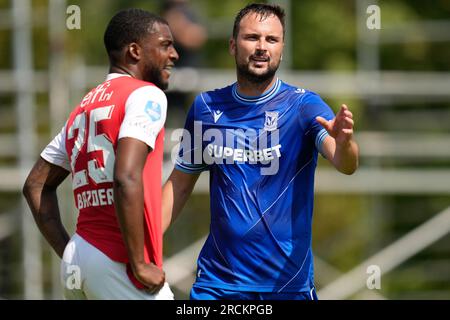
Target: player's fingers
349 122
322 122
155 288
348 113
152 289
342 110
348 131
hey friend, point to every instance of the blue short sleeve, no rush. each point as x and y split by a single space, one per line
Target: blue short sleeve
313 106
190 155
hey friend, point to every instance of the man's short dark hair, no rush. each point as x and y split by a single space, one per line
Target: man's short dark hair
262 9
127 26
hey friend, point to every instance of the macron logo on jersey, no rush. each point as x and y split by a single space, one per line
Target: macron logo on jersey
217 114
153 110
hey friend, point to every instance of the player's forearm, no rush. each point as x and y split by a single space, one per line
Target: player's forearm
175 193
40 192
167 205
128 200
173 201
345 157
43 203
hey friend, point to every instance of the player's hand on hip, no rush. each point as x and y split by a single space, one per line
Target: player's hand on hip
340 127
151 276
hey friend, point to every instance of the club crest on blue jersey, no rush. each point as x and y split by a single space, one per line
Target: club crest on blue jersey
271 122
153 110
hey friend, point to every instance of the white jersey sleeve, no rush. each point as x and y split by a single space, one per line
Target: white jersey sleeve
145 115
55 151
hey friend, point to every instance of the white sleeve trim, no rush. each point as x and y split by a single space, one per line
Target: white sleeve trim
320 138
55 151
145 115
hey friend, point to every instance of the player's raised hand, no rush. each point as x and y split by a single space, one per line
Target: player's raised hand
151 276
341 127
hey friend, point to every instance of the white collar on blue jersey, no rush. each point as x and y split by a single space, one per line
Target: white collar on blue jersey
115 75
267 95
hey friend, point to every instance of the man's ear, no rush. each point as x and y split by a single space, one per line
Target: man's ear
134 50
232 47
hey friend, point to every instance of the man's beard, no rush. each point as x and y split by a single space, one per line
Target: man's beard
244 71
154 76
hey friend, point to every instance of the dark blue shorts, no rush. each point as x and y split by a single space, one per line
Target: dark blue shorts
201 293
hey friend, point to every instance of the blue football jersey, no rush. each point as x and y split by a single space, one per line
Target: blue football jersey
261 153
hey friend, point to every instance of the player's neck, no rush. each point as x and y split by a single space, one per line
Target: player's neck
252 89
122 70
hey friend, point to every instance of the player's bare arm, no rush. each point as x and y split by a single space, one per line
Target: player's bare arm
175 193
40 191
129 204
340 147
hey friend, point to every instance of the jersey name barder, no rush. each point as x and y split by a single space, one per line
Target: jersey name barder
95 198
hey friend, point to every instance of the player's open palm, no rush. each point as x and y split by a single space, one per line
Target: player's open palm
151 276
341 127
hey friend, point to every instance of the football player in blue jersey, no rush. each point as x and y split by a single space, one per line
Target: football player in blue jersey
259 138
